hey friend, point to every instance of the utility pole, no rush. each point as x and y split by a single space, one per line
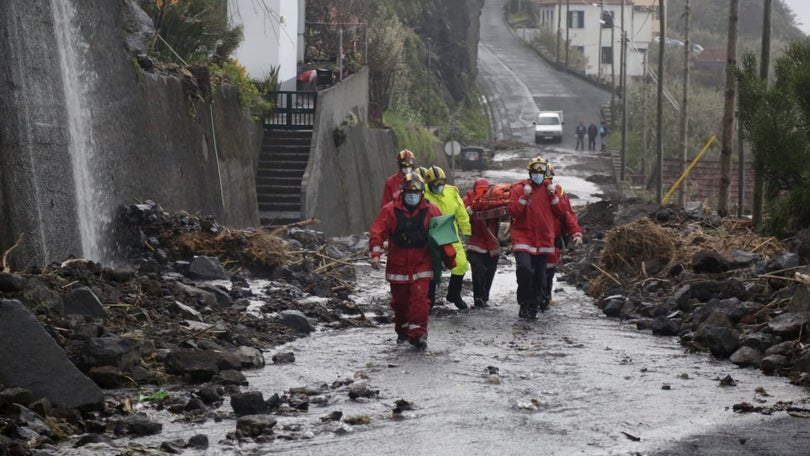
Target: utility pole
659 135
764 62
624 106
685 102
623 84
601 28
427 91
727 147
567 28
559 29
612 64
644 121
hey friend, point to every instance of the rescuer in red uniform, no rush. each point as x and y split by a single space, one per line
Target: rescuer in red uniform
404 223
483 247
405 160
533 205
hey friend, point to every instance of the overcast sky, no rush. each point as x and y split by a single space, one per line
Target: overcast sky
802 10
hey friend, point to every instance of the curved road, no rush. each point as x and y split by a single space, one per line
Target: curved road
519 84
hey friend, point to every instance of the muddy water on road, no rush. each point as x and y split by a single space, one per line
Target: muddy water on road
572 382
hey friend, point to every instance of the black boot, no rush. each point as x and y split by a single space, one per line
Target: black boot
531 311
523 312
454 291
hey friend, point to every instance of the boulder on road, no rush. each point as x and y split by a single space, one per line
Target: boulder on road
29 357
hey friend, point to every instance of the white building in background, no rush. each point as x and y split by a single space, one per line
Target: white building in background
273 37
588 25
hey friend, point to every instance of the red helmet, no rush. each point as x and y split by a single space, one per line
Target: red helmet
405 158
481 182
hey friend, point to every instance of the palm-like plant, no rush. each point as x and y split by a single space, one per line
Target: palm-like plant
193 31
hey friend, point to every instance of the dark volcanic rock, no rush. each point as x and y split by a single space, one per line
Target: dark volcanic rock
37 362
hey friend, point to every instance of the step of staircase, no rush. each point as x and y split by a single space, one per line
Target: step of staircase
282 164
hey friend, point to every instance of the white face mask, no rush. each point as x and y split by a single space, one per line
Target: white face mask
537 178
412 199
437 189
406 170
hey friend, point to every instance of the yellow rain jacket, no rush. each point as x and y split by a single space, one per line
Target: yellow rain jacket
450 202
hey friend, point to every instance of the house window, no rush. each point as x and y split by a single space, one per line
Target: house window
607 55
576 19
607 19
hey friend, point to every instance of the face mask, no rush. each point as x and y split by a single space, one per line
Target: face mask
437 189
412 199
406 170
536 178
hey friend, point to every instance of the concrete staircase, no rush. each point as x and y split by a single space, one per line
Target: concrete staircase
282 163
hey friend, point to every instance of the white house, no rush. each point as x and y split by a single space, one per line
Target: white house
273 37
591 25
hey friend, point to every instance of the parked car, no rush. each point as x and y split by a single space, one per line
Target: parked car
473 157
548 126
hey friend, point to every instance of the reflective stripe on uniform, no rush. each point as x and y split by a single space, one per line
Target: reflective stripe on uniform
475 248
525 248
532 250
377 249
405 278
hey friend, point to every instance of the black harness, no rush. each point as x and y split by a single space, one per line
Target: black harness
410 232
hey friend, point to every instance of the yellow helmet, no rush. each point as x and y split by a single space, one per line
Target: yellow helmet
549 171
412 182
537 165
420 170
405 158
434 174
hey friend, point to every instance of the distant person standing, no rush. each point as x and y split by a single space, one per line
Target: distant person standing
602 134
592 132
581 131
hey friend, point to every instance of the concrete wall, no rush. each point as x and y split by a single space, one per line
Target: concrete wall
342 186
152 137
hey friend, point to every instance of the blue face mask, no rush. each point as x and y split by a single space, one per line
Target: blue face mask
537 178
437 189
412 199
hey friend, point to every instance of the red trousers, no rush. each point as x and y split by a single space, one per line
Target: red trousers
411 306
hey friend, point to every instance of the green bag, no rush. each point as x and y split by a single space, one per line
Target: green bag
441 231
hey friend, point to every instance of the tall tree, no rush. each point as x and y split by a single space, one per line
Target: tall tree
728 108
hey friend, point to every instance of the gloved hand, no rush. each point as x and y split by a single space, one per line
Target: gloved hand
577 240
550 189
527 190
375 262
449 262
